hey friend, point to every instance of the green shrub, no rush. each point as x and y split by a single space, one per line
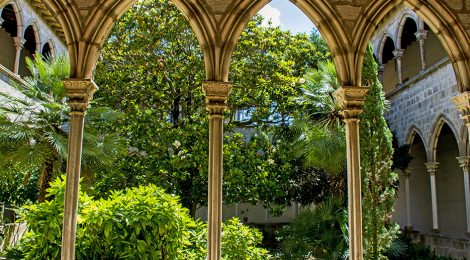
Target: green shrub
320 232
137 223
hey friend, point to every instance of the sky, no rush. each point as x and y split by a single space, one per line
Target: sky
287 15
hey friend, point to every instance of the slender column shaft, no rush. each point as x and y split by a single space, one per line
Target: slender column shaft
398 55
351 100
432 170
421 37
19 42
79 91
464 162
407 174
381 72
216 103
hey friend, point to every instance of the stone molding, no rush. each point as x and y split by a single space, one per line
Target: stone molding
462 102
217 93
351 100
464 162
79 93
432 167
421 35
19 42
398 53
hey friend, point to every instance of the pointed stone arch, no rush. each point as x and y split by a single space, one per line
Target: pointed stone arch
399 33
440 19
433 140
322 16
383 41
18 15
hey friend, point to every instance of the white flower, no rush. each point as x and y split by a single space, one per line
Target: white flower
270 161
177 143
301 80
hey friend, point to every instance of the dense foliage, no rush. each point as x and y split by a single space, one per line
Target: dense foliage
152 70
378 180
34 126
319 232
138 223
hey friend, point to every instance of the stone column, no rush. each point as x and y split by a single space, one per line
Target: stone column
421 36
464 162
79 92
19 43
217 93
398 55
432 170
381 73
407 174
351 101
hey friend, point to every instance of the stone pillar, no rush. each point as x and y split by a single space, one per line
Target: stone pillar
421 36
407 174
19 43
217 93
79 92
398 55
381 73
464 162
351 101
432 170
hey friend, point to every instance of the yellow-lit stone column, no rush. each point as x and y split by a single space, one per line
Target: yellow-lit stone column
79 92
464 162
217 93
19 43
351 100
432 170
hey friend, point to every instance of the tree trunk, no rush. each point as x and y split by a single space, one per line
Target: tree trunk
45 179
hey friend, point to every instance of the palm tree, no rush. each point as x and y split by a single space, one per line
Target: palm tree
34 125
321 141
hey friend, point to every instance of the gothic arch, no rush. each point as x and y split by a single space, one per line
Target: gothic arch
18 16
37 37
319 12
435 133
442 21
412 132
48 48
401 25
383 41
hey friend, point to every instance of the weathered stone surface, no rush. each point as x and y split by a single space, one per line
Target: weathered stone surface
455 4
348 12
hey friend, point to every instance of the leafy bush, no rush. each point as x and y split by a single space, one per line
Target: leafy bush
319 232
137 223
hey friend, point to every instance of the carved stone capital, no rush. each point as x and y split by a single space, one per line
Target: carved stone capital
464 162
432 167
79 93
462 103
421 35
351 100
398 53
217 93
407 173
19 42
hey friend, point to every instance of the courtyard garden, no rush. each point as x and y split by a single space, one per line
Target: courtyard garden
145 150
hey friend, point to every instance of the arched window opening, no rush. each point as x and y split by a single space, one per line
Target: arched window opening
387 52
9 20
29 49
408 33
30 40
46 51
451 205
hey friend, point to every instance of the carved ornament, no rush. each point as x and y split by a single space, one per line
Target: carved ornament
351 100
217 93
19 42
464 162
462 102
79 93
398 53
432 168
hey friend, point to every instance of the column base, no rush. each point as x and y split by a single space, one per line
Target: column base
435 231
